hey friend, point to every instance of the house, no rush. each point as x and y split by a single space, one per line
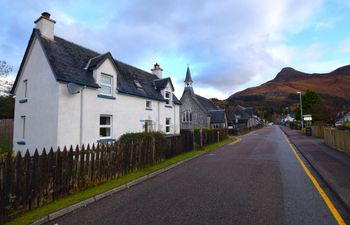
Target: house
242 118
288 118
342 117
197 111
67 94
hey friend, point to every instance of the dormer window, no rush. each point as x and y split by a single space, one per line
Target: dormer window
167 97
106 84
137 84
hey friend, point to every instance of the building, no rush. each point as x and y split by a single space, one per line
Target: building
70 95
242 118
197 111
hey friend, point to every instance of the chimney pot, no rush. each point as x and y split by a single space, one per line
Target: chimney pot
46 15
157 71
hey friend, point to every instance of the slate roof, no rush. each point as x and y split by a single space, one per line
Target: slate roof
206 103
242 111
217 116
73 63
162 83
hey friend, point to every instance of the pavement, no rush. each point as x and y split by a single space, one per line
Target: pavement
332 165
258 180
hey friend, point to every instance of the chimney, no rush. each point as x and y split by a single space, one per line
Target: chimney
45 25
157 71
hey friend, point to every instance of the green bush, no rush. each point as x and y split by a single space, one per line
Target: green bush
142 136
347 125
5 147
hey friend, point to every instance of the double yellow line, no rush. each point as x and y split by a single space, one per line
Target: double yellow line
324 196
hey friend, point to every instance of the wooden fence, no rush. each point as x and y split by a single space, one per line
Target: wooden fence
28 182
205 137
337 139
317 131
6 131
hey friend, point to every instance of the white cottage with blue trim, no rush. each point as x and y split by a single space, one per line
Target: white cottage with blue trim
70 95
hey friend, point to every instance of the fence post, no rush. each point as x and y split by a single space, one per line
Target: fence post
193 140
218 135
201 138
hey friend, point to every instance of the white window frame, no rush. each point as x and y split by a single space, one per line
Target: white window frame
23 119
105 126
187 116
167 125
148 104
167 99
106 84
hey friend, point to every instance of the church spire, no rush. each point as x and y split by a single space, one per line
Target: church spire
188 80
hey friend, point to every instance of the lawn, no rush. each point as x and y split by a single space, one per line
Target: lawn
63 202
4 147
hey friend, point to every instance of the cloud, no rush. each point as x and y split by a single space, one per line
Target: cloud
228 44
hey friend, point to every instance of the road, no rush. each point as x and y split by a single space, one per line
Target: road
255 181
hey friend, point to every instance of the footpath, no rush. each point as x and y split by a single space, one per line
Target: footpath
332 165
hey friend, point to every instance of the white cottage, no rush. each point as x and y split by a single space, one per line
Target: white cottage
70 95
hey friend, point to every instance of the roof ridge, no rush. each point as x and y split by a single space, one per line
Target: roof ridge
118 61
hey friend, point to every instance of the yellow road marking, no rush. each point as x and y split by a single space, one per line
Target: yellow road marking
324 196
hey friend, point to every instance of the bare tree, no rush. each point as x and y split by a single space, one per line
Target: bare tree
5 68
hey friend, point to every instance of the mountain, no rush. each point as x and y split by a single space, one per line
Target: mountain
274 95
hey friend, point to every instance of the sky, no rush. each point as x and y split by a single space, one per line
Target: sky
228 45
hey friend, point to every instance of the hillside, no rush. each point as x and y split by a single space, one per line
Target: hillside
280 92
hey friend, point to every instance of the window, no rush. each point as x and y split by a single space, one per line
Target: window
187 116
105 126
167 125
106 84
167 97
148 104
137 84
23 118
25 83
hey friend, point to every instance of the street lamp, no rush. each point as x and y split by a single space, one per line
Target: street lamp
301 110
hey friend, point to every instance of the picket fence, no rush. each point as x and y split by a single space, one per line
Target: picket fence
28 182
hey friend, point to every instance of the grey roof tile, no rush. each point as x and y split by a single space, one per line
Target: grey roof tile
73 63
206 103
217 116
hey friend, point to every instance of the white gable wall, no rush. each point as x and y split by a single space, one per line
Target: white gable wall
41 107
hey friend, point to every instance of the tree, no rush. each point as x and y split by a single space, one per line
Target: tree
310 98
5 68
314 104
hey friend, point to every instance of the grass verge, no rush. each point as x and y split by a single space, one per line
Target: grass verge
33 215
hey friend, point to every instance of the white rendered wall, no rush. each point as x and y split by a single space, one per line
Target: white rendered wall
42 106
128 113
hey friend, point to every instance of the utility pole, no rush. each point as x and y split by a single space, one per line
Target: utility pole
301 110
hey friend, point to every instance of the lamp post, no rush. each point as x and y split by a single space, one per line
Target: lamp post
301 110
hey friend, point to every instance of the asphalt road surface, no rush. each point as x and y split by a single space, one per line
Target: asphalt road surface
256 181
